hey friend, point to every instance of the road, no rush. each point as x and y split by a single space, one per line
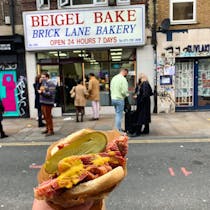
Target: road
161 176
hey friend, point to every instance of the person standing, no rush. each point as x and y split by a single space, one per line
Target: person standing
47 99
143 91
37 104
119 90
94 95
3 135
80 99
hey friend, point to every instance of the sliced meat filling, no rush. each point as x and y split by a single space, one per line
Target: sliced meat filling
76 169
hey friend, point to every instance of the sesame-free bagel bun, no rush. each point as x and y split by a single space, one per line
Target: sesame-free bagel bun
74 136
96 189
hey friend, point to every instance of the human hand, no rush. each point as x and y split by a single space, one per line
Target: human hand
134 96
42 205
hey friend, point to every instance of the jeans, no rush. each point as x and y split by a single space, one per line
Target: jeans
119 107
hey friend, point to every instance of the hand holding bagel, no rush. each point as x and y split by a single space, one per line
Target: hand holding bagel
82 169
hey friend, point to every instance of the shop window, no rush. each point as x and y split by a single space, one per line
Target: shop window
81 3
183 11
66 66
43 4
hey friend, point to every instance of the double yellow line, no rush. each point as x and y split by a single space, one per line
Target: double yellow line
130 141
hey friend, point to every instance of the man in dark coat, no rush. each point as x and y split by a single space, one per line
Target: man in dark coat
3 135
144 91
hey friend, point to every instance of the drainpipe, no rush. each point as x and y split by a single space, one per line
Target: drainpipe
12 16
154 42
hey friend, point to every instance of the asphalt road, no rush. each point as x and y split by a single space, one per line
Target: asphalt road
161 176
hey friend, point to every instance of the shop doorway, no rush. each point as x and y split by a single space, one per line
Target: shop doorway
71 72
193 84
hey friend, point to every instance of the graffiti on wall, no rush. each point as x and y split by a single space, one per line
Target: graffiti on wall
21 93
189 50
12 91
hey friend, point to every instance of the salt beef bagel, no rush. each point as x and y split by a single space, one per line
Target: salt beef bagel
106 150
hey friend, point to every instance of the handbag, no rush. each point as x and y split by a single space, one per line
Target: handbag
72 92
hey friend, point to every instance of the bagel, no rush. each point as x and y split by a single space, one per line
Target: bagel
68 179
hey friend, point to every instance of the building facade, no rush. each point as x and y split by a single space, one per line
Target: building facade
13 82
70 39
183 55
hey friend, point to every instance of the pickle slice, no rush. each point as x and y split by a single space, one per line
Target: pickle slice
93 142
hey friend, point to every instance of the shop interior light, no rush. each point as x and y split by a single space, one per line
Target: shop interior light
116 50
62 54
76 51
94 63
53 52
116 59
92 60
83 55
116 56
87 59
116 53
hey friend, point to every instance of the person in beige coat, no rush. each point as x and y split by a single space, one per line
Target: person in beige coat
94 95
81 94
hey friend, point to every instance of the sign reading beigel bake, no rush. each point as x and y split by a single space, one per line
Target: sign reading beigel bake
85 28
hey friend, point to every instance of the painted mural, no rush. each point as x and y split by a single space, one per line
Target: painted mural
12 91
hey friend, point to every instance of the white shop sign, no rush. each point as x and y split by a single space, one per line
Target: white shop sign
74 29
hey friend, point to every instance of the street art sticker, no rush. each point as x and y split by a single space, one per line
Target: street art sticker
8 92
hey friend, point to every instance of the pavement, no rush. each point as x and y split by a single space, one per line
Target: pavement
179 125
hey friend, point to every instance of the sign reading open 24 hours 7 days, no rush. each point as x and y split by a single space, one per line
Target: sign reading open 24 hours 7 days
87 28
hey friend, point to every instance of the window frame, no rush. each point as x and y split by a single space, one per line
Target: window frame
95 3
100 3
41 6
175 22
123 2
64 3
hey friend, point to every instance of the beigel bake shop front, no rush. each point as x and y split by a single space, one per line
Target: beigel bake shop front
70 44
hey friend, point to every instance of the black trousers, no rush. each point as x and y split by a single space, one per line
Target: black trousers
1 129
39 112
139 129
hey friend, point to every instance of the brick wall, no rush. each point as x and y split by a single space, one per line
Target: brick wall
203 14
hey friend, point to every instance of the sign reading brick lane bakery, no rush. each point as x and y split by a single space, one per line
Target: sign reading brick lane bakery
71 29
